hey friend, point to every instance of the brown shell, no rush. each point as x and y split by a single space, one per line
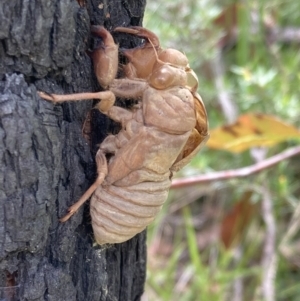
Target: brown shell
198 137
159 135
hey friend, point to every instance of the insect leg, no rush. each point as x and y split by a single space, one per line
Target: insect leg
117 114
141 32
109 145
105 57
56 98
128 88
102 172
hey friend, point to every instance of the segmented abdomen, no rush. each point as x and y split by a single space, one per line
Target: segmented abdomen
119 213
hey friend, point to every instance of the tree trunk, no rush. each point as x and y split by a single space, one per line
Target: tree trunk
46 164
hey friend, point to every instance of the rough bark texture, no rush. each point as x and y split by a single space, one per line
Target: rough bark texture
46 164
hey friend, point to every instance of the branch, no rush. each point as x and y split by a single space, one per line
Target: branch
237 173
227 104
286 35
269 258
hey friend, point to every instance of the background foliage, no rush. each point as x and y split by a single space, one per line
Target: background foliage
236 239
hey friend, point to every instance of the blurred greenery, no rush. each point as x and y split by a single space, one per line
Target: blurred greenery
260 74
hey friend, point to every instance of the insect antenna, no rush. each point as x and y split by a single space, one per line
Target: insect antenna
156 55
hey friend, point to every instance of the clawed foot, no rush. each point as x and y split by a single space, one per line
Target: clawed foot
101 32
72 210
141 59
55 97
140 32
46 96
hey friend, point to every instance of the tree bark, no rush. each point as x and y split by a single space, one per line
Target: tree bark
46 164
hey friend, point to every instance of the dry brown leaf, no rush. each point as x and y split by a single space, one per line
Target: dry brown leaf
235 223
252 130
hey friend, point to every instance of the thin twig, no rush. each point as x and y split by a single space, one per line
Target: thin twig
227 105
238 284
237 173
286 35
269 258
289 246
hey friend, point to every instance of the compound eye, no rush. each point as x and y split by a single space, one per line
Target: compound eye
161 78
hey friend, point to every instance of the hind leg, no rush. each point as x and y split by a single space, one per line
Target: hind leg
102 172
